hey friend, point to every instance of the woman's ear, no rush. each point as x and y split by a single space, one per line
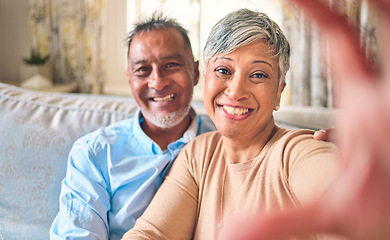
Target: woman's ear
279 96
281 87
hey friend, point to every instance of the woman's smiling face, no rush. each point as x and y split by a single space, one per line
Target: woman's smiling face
242 89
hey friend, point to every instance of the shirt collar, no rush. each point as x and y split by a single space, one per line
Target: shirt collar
192 130
147 142
139 134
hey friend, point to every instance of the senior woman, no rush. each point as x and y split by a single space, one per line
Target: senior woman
250 164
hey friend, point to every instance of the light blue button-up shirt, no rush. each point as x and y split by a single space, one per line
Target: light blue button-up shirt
112 175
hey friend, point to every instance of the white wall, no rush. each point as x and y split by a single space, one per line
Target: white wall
14 39
116 82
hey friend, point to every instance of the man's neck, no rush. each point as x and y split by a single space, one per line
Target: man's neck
164 136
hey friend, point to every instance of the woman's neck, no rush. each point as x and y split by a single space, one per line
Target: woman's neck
243 149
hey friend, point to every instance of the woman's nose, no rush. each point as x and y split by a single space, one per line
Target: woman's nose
237 88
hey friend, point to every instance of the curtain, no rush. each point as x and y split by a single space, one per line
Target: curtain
309 81
72 33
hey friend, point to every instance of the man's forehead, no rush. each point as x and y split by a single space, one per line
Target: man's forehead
144 59
162 36
159 45
168 33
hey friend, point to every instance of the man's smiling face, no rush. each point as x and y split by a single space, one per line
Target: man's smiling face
162 75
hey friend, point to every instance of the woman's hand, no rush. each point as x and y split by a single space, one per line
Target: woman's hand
357 205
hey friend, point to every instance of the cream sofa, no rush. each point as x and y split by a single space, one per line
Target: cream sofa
37 130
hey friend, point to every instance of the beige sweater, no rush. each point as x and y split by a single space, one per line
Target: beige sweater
291 168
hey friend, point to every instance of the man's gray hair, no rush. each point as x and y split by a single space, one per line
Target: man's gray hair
243 27
157 22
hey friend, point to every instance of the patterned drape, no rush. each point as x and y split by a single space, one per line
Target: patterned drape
309 82
72 33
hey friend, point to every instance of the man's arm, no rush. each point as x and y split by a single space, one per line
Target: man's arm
172 211
84 199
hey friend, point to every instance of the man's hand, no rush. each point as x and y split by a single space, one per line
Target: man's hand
325 134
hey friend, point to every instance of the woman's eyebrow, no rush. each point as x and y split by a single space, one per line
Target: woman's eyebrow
255 61
263 61
223 57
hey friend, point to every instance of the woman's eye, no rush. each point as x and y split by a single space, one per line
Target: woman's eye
222 71
260 75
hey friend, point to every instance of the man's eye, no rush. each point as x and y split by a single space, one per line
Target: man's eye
172 64
142 71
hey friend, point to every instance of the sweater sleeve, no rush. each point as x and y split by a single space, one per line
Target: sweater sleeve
172 212
313 166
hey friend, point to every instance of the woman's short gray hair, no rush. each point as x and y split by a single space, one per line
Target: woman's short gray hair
243 27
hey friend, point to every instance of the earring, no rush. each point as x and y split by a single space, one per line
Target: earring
277 108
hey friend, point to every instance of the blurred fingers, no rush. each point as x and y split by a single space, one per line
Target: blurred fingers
300 222
383 33
383 5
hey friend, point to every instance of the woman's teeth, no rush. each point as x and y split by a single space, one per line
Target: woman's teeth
161 99
235 111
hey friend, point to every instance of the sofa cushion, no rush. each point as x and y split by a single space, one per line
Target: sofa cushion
37 131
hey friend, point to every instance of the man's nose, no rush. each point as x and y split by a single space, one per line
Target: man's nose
157 80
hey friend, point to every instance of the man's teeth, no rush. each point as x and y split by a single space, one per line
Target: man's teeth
161 99
235 111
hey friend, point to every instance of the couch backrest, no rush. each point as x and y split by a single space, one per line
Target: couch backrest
37 131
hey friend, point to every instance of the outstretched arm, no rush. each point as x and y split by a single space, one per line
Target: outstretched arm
357 204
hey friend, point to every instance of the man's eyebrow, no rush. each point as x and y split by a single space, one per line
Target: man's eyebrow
173 56
167 57
138 62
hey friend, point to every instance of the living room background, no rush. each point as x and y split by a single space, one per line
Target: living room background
86 40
